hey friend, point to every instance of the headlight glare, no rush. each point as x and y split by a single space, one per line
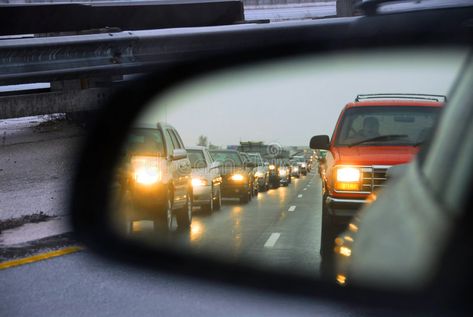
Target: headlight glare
237 177
199 182
147 176
348 179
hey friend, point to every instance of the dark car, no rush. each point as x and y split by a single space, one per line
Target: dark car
250 167
236 180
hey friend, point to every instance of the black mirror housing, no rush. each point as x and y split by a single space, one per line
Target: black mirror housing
320 142
250 165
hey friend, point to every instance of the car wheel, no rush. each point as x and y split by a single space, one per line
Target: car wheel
327 243
209 208
218 201
184 214
255 191
124 206
245 199
164 220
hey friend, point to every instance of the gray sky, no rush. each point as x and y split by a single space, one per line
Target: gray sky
289 102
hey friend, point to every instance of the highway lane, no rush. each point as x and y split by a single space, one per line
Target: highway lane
278 229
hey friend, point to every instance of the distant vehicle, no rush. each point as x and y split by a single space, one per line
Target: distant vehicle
206 179
251 169
274 178
296 172
372 134
261 173
236 182
284 175
157 178
301 162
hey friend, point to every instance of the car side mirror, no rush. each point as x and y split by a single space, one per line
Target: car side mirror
320 142
215 164
178 154
250 165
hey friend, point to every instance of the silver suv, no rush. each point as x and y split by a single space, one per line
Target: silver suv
156 177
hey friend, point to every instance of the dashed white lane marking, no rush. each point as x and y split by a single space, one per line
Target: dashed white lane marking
292 208
273 238
299 196
305 188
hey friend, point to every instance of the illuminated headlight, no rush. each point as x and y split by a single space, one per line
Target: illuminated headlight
237 177
348 178
304 165
147 176
199 182
272 167
296 169
145 170
282 172
259 174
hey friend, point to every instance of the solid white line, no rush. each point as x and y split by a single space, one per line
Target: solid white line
292 208
299 196
273 238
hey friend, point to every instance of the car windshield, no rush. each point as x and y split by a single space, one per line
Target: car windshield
255 158
145 141
387 125
227 158
197 158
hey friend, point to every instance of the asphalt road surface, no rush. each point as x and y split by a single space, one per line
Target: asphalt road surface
279 229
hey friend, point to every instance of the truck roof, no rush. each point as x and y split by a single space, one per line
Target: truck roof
394 103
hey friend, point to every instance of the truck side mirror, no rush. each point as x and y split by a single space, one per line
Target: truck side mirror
320 142
215 164
178 154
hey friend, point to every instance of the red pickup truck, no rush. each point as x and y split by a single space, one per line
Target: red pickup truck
372 134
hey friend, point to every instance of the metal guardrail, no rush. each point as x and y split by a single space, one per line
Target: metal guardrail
55 59
81 56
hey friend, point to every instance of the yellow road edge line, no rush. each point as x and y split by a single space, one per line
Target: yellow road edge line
39 257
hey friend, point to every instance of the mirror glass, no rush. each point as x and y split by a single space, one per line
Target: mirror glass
220 166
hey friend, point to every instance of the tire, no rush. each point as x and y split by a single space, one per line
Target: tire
184 215
327 244
164 218
124 207
218 201
245 199
209 208
345 8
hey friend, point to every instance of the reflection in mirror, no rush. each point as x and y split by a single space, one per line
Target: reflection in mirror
221 166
